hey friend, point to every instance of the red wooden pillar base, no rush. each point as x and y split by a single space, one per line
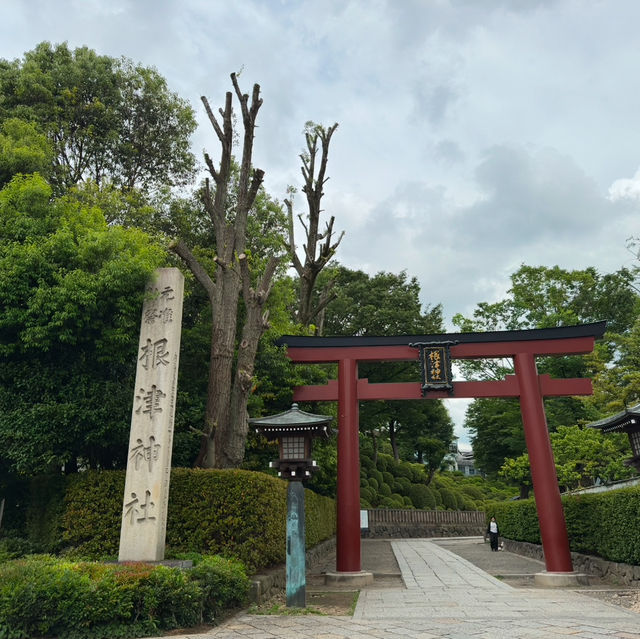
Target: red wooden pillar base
553 529
348 492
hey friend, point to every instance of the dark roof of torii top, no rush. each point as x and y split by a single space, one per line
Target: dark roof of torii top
595 330
619 421
292 417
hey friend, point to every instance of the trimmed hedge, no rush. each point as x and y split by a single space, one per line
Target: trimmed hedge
44 596
234 513
603 524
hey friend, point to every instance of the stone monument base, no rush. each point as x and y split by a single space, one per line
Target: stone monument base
560 579
183 564
351 579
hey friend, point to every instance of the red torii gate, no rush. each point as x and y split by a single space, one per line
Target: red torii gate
523 346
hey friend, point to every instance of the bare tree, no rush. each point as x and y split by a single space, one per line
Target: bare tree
231 368
319 247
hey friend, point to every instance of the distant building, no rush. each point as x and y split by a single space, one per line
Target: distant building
461 460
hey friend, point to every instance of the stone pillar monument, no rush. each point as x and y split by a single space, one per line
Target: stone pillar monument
146 492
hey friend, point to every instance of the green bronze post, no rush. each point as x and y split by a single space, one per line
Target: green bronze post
296 564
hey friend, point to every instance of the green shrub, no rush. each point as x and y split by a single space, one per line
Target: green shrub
404 470
391 503
459 500
388 478
235 513
223 582
448 499
418 475
402 485
13 547
367 494
420 497
472 491
468 503
385 490
43 596
383 462
373 483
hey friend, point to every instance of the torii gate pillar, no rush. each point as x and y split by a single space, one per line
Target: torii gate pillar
553 528
348 490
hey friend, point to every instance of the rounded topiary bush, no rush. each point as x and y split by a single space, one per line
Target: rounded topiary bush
388 478
385 490
472 491
367 494
448 499
402 485
404 470
422 497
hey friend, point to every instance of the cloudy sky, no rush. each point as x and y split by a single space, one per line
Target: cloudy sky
475 135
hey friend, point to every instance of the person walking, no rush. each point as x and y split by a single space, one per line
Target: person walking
493 532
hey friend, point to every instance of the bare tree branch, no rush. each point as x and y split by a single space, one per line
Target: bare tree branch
181 249
319 247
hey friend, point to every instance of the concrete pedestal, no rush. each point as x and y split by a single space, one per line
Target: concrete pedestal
351 579
560 579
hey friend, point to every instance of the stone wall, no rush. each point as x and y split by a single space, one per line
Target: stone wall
612 571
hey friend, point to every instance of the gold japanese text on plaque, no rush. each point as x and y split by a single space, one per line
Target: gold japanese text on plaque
435 364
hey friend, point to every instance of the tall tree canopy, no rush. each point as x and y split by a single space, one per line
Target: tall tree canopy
70 296
544 297
107 119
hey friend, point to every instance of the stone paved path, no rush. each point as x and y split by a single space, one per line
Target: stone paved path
446 596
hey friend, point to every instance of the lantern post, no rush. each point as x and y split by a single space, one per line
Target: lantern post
294 430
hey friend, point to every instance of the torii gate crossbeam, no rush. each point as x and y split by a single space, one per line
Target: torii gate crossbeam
521 346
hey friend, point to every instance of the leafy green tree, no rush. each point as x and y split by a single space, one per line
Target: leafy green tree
22 150
518 471
616 384
496 432
582 455
543 297
107 119
389 304
70 295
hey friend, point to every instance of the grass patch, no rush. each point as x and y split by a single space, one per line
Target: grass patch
335 603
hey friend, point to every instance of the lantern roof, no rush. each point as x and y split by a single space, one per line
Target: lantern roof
293 420
623 421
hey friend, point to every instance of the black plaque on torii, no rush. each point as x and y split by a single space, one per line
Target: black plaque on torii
435 365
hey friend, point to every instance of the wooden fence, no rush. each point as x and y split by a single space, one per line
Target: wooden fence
423 523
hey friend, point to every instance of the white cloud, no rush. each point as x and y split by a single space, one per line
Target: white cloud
626 189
